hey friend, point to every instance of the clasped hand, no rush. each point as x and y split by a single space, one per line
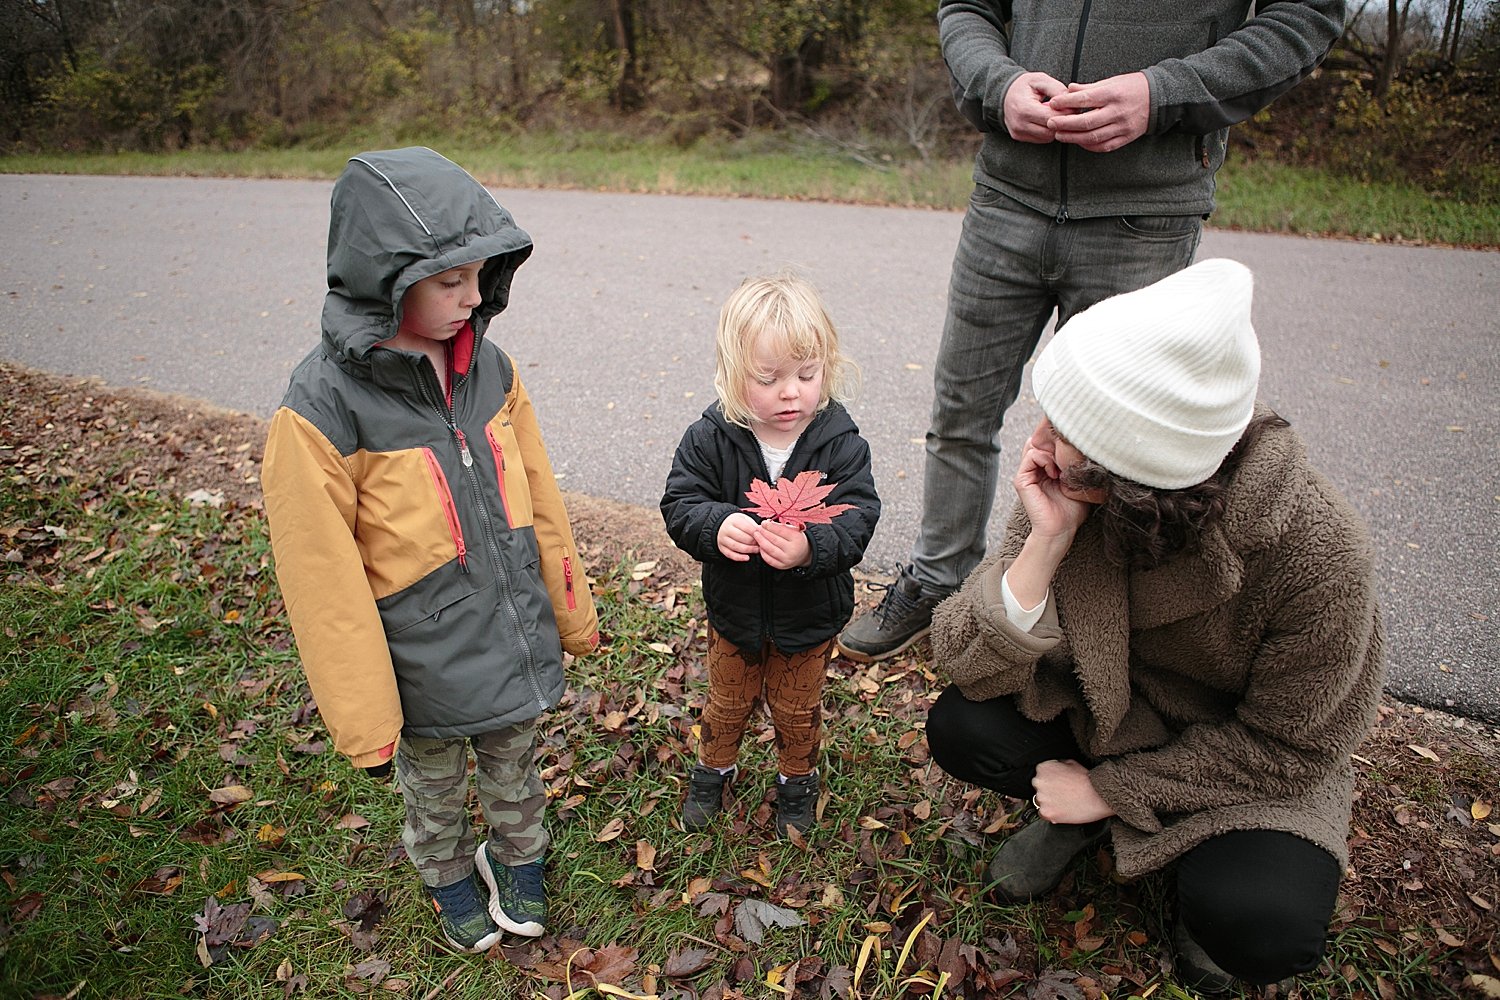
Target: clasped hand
780 546
1100 117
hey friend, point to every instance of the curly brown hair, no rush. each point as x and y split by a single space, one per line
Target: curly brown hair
1144 526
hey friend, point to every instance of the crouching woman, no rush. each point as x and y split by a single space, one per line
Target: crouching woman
1178 644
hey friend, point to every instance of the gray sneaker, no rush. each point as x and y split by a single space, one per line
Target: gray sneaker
516 902
902 617
1034 858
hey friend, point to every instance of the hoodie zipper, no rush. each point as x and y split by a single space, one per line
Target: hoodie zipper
1062 163
502 579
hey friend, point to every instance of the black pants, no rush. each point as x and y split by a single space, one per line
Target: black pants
1257 901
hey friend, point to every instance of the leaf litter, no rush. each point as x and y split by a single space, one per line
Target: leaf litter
1425 855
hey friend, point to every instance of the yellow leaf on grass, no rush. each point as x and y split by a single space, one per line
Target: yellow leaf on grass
275 876
230 795
271 834
871 823
661 647
1488 986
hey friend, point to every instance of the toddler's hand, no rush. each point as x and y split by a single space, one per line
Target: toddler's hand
737 537
783 546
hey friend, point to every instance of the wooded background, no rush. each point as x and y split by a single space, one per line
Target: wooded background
1411 94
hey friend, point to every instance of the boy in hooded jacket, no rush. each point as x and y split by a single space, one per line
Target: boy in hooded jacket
425 557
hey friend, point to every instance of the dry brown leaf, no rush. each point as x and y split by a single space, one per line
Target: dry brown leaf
645 856
611 830
230 795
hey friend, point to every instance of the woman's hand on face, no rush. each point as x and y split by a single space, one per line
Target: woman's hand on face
1038 485
737 537
1064 793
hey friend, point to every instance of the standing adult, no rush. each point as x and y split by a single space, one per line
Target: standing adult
1105 125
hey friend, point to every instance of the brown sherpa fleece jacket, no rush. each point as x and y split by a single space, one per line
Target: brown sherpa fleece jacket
1221 691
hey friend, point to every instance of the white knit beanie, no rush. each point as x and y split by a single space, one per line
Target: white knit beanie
1157 385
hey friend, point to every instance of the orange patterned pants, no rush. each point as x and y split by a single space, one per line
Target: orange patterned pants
792 686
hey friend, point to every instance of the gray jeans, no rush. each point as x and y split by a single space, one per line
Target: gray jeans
434 781
1013 267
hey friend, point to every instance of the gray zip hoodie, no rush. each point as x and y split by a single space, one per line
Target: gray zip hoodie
1207 66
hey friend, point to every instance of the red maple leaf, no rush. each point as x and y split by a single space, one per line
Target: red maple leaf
797 502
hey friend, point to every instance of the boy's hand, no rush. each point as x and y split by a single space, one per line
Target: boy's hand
783 546
737 537
382 770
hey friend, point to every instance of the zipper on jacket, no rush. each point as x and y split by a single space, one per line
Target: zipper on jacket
568 582
502 579
499 453
1063 152
450 510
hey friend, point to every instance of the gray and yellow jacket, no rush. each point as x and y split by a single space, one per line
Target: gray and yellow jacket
421 544
1207 65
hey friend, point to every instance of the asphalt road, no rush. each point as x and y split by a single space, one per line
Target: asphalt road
1385 358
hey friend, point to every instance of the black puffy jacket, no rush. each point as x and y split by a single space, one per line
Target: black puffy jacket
750 602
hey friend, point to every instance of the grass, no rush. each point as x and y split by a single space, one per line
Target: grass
1257 195
176 825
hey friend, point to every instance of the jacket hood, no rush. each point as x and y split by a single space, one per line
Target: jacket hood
827 423
401 215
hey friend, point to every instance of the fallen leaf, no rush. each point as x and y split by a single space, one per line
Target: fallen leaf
686 963
753 916
230 795
1480 809
1488 986
645 856
1421 751
611 830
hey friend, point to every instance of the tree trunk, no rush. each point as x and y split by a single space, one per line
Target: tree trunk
1392 49
1458 28
628 95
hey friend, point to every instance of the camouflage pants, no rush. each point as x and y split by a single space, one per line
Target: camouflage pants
792 686
434 781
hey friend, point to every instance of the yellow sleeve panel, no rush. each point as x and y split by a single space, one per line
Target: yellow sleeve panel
312 506
562 570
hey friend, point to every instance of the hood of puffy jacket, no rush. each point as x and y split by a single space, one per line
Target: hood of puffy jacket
398 216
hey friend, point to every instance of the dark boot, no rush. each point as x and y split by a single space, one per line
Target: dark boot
797 803
1034 858
1195 969
902 617
705 797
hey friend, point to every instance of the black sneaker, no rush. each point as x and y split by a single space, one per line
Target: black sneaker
463 916
705 797
1034 858
902 617
1195 969
517 902
797 803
